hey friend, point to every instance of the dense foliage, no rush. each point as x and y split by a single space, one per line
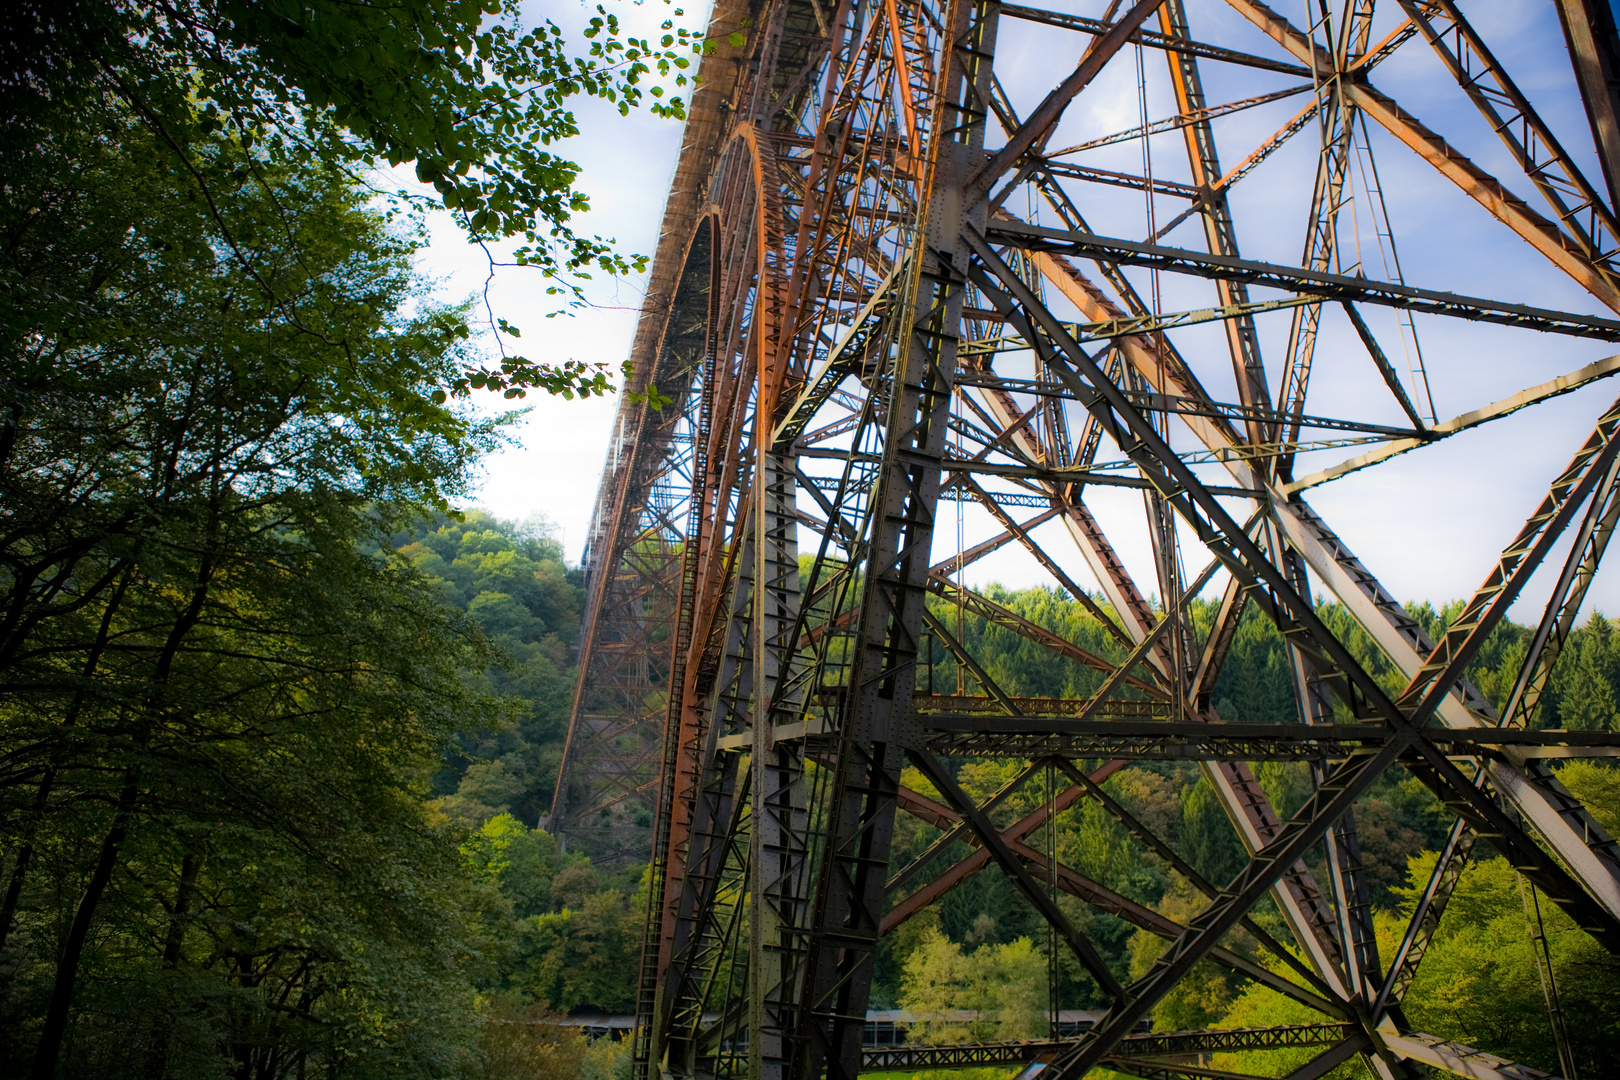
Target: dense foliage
217 713
981 946
511 582
457 90
224 695
557 931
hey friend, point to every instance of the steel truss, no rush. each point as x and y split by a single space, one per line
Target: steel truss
865 324
1131 1051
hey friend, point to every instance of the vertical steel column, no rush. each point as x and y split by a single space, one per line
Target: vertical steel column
779 836
876 719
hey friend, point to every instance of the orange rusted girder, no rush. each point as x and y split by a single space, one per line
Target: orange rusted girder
942 816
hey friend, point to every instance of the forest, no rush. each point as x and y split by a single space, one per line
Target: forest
280 714
983 947
236 933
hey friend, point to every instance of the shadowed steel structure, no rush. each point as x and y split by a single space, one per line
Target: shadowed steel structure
885 290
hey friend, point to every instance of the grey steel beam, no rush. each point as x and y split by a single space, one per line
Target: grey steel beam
1074 476
1546 391
1543 235
1348 736
1176 405
873 718
991 838
1153 39
908 873
1339 791
1132 1048
1461 1060
1173 859
1579 840
779 823
1293 279
1403 966
1558 619
1220 232
1322 229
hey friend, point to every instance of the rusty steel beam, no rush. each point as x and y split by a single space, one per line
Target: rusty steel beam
1573 834
943 816
1594 51
1220 235
1001 850
1585 214
994 613
1153 39
1039 124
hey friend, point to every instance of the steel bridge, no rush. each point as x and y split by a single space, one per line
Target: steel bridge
902 278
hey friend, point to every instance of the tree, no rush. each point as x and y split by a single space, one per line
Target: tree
525 1043
1478 983
584 956
1260 1006
1003 986
1586 679
1597 784
1207 837
457 88
510 580
255 814
933 984
1007 984
1207 992
220 699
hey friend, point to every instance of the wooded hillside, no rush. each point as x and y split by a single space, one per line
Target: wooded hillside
982 946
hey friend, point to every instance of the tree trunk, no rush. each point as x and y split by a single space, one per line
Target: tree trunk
67 969
157 1059
25 853
182 908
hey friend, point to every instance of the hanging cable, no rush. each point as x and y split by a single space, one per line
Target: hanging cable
1053 970
1384 233
961 599
1549 984
1166 540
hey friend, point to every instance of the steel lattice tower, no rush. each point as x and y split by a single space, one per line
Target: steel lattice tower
883 288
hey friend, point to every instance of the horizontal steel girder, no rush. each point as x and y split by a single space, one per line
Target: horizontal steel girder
1144 1044
968 734
1295 280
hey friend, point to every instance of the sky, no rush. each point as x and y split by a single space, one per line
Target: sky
550 471
1430 525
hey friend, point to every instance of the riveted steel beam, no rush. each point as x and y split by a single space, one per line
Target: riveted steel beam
1290 279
